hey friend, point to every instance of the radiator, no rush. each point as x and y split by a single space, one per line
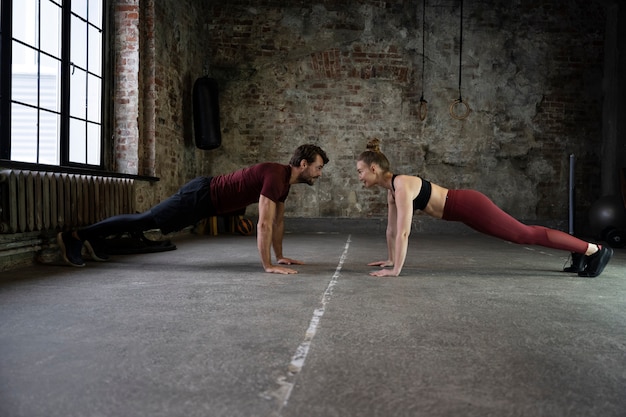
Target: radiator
33 201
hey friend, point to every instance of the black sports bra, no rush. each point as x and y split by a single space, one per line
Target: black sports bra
421 201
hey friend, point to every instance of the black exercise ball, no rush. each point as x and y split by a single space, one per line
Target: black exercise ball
607 212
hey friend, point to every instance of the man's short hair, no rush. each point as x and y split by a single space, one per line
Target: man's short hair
308 153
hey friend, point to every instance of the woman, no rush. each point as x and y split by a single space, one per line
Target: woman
407 193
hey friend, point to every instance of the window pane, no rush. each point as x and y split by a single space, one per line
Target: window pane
78 45
95 51
77 141
24 76
23 133
24 21
78 95
95 13
80 8
50 83
93 144
49 126
50 27
24 58
94 99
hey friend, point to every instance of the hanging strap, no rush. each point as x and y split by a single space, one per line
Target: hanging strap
422 109
460 51
459 109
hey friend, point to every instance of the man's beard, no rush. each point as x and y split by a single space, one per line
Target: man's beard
306 180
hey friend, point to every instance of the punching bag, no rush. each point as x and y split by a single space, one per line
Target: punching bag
206 114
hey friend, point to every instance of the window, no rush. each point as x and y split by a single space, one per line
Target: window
51 86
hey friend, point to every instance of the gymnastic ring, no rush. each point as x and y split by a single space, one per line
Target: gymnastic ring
422 109
463 115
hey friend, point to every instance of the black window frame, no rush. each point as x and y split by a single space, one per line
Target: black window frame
66 67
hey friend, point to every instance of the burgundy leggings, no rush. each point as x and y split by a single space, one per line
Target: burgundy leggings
480 213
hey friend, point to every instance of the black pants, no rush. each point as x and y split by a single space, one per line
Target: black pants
189 205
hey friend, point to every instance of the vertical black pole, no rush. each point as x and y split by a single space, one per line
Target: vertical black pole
5 80
65 83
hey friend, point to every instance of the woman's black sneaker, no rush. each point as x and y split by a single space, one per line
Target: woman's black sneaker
578 263
596 262
70 249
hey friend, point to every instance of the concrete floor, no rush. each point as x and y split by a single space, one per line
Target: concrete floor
473 327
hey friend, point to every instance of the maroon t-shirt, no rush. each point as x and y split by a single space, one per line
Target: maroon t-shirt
239 189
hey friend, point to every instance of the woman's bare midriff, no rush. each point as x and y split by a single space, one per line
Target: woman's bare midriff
437 201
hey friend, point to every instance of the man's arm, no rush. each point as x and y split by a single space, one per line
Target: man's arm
277 237
265 235
278 230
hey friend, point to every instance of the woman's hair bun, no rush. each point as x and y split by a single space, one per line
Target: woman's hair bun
373 145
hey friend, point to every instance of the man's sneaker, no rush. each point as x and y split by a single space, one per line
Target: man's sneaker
596 262
95 251
578 263
70 249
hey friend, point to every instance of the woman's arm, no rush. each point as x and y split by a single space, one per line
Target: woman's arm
392 216
390 232
398 242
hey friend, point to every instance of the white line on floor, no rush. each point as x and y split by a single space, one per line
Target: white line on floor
297 361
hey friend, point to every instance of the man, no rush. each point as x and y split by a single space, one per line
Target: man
265 183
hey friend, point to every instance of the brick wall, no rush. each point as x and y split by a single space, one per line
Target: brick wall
336 73
570 112
125 86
